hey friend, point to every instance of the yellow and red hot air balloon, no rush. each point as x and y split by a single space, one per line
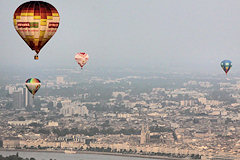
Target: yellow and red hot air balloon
81 59
36 22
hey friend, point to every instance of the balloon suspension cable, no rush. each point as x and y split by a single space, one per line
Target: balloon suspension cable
227 77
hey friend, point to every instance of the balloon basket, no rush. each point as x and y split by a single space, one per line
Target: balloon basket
36 57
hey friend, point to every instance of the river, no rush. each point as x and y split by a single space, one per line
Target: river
63 156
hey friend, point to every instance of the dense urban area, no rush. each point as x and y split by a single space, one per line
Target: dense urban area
171 115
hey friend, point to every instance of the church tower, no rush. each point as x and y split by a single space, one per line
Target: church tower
145 135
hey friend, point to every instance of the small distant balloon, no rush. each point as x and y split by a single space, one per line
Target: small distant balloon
81 59
36 22
226 65
33 85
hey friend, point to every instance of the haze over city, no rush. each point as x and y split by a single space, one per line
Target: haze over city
171 36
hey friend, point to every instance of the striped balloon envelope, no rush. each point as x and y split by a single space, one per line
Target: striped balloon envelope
33 85
226 65
36 22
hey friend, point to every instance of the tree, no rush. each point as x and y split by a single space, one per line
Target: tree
9 105
119 97
21 118
37 102
44 131
59 105
92 131
1 143
105 124
34 124
73 131
63 132
50 105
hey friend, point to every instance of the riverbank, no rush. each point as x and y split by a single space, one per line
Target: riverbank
96 153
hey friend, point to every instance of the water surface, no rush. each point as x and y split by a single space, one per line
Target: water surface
63 156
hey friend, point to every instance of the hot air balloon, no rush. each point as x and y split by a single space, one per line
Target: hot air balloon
36 22
81 59
33 85
226 65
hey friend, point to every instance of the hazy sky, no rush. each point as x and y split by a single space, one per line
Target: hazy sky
169 35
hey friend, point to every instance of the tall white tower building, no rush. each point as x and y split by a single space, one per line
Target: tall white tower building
27 98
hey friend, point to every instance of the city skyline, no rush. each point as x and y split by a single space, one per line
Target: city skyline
134 115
